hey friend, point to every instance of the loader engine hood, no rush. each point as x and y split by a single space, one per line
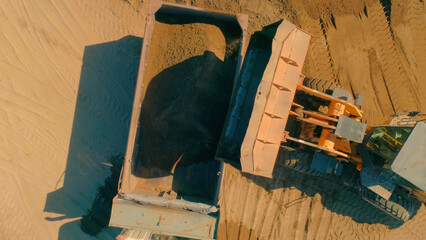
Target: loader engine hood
410 163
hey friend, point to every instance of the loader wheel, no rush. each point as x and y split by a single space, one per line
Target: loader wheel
397 206
311 102
320 85
298 160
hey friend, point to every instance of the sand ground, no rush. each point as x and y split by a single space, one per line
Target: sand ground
67 73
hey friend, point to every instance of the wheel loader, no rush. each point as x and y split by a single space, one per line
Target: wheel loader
280 117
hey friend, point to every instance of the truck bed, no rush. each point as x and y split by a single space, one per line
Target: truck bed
187 85
189 65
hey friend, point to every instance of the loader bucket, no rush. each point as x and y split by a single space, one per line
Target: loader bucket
263 98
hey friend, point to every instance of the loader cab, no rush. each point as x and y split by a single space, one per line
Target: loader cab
386 142
399 149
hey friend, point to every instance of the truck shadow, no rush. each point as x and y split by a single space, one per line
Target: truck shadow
99 132
334 195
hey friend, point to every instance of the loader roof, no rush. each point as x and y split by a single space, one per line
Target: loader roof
410 163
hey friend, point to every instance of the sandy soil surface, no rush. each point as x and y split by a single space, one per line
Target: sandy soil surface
67 73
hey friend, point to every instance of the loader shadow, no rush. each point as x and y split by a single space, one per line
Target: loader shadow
99 135
334 195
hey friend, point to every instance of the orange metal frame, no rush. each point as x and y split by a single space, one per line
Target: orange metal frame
328 142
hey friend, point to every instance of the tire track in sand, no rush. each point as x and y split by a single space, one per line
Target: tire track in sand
318 50
324 224
248 214
263 199
398 86
274 205
14 218
417 24
234 195
317 211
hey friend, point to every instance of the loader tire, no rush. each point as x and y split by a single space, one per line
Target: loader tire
397 206
298 160
320 85
311 102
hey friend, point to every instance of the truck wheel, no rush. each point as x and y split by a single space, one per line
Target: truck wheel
320 85
397 206
298 160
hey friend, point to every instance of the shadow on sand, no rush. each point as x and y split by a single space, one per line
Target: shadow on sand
99 133
335 196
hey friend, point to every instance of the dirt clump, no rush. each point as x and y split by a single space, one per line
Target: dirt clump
188 84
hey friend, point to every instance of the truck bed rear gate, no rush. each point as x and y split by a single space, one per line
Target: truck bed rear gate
161 220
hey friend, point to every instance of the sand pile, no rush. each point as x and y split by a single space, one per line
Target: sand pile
172 44
188 84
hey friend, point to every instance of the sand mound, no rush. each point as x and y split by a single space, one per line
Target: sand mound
174 43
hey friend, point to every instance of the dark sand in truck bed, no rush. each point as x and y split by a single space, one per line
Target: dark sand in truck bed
188 84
